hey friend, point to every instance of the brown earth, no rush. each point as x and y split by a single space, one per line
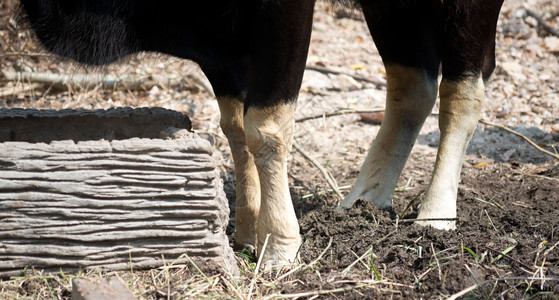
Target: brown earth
508 201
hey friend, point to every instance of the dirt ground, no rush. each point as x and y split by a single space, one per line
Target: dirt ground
507 241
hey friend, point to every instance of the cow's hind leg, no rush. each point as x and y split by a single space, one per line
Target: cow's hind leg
404 36
230 85
467 61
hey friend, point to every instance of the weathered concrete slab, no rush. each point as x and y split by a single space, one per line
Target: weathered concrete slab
35 126
109 203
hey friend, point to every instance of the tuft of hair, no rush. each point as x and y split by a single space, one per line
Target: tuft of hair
93 39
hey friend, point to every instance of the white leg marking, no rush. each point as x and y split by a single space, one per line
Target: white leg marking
269 134
247 203
409 100
461 103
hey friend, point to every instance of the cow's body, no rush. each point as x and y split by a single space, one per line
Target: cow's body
254 54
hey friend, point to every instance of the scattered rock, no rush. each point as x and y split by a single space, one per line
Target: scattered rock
100 289
551 43
315 82
346 83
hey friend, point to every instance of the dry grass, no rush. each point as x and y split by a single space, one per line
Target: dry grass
185 282
174 281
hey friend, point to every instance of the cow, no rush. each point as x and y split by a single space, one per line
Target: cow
254 53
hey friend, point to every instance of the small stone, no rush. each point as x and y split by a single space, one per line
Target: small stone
100 289
551 43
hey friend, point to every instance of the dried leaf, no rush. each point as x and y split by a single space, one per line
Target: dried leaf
372 118
358 67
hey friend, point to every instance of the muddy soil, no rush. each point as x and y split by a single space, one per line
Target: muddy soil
502 208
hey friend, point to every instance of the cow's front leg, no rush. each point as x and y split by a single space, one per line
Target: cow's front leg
230 85
247 203
269 134
278 53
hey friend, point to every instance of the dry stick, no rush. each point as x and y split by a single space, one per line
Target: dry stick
5 92
31 54
356 77
477 281
475 286
61 81
128 82
509 257
321 254
343 112
307 266
541 176
322 292
437 261
253 282
428 219
369 251
540 21
522 136
410 204
339 113
327 176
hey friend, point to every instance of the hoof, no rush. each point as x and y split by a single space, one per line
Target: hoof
245 248
277 265
443 225
280 253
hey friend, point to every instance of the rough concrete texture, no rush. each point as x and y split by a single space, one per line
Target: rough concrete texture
35 126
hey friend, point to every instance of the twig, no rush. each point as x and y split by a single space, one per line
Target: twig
437 261
369 251
429 219
319 256
475 286
339 113
540 21
541 176
477 281
322 292
107 81
509 257
463 292
410 204
85 81
307 266
5 92
327 176
522 136
349 111
253 281
356 77
30 54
